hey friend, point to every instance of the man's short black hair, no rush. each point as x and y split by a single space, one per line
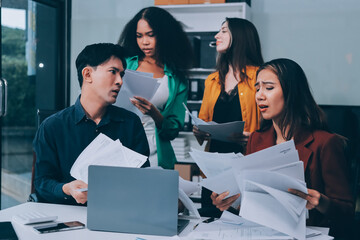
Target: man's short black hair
97 54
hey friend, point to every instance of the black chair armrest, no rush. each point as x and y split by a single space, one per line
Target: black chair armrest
33 198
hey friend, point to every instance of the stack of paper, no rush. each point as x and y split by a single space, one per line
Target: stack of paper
104 151
266 201
181 149
136 84
219 131
230 226
263 179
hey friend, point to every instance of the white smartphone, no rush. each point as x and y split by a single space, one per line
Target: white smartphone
57 227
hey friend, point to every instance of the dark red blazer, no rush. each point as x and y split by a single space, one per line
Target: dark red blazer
326 170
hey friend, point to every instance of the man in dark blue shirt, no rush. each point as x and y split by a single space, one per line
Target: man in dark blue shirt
63 136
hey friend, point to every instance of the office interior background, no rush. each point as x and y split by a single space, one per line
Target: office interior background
40 40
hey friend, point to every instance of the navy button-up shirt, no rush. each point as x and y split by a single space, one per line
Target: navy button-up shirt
63 136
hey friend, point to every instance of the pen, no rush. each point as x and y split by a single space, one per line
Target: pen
196 226
82 190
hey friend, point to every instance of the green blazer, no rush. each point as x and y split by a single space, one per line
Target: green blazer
174 115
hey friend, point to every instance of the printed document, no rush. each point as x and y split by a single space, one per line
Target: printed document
263 179
106 152
221 169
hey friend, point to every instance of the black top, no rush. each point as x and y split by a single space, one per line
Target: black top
227 109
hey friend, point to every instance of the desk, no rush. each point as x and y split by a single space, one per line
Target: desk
67 213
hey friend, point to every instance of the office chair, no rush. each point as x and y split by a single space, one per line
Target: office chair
33 197
345 121
41 116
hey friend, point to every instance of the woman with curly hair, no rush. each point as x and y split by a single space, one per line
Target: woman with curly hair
156 43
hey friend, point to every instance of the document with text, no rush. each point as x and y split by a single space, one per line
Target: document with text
262 179
106 152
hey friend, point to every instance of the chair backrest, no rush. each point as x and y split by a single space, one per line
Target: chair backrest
41 116
345 120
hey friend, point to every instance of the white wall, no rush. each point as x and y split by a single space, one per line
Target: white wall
95 21
323 36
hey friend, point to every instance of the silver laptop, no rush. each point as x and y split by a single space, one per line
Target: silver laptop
133 200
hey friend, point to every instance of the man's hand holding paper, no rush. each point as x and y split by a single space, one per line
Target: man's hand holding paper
110 153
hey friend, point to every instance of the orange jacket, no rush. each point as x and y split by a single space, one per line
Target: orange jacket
250 111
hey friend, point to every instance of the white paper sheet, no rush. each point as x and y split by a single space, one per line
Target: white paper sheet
136 84
223 231
218 131
196 120
188 203
257 161
272 205
230 218
134 159
294 170
272 183
292 203
188 187
263 179
282 148
219 168
317 233
211 164
272 179
106 152
222 182
322 230
264 209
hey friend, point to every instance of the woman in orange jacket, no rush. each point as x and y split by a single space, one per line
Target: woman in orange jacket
229 93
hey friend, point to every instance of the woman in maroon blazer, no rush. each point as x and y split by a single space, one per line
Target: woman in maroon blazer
289 111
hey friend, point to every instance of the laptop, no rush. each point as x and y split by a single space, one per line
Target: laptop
133 200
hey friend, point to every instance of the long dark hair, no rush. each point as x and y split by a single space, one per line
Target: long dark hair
172 45
245 49
300 109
